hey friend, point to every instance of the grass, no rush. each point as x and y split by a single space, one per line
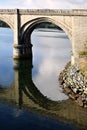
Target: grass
83 63
83 54
83 67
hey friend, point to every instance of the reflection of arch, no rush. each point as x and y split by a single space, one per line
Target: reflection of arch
30 98
28 27
23 85
27 87
9 22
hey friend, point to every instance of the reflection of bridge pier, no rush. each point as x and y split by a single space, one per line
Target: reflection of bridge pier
24 94
22 51
25 90
23 72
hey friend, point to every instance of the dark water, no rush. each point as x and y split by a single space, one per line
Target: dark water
30 96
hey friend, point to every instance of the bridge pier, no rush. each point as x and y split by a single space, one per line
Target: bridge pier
22 51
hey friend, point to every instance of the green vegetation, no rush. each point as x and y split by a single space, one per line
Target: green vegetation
83 63
48 25
84 52
83 67
42 25
3 24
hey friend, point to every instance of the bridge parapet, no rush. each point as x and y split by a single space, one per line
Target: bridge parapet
79 12
45 12
66 12
8 11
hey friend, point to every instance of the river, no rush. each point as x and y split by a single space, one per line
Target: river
30 95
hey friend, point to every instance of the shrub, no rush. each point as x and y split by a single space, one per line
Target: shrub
84 52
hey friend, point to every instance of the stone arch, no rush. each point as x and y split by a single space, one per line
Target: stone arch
29 26
7 21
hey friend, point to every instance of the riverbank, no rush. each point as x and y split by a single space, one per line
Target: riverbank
74 84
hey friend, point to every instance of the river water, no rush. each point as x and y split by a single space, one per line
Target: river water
51 52
30 95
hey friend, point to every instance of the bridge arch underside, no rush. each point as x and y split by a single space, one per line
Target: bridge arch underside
8 22
28 28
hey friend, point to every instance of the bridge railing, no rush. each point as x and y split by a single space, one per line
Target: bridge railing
44 11
8 11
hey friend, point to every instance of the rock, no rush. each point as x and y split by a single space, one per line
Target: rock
74 84
75 90
72 96
79 101
67 90
85 106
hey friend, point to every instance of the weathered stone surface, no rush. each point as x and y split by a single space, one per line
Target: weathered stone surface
72 96
67 90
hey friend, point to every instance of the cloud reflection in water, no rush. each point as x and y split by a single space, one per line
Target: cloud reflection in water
51 55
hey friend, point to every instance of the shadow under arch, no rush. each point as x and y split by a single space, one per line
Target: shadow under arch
28 28
8 22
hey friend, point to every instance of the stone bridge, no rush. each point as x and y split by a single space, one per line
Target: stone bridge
24 21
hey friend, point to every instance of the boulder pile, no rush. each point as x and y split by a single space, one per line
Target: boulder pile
74 84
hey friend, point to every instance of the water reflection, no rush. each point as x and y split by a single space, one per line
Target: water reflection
52 33
6 54
23 94
24 83
49 57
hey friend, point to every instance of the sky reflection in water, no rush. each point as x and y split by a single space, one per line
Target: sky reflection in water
6 54
50 55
